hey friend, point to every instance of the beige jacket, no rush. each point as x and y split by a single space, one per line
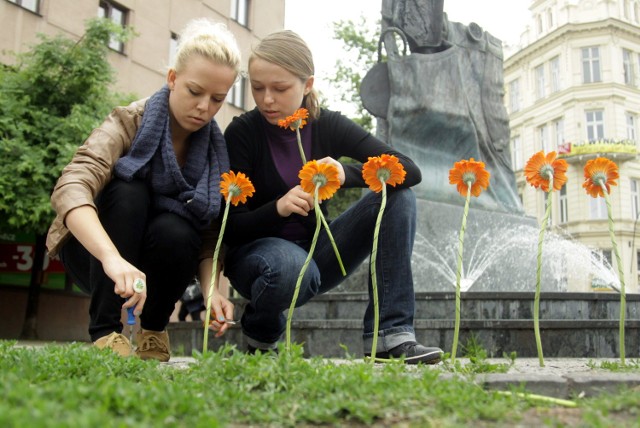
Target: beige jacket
91 168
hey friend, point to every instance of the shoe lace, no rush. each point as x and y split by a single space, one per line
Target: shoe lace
152 343
115 339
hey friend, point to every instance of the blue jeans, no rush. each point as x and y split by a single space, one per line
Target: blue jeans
266 270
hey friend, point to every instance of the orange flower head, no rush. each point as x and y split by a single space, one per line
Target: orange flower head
469 172
383 169
238 187
322 174
600 173
296 121
540 168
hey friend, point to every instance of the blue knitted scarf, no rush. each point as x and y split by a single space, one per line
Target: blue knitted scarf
192 192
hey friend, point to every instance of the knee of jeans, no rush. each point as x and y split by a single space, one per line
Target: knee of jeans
282 275
404 198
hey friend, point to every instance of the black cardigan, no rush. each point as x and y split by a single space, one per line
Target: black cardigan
333 135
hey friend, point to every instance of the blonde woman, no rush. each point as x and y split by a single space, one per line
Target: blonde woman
138 205
269 237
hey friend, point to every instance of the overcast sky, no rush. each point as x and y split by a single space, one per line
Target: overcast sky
505 19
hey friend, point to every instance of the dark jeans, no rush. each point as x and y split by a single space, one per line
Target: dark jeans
163 245
265 271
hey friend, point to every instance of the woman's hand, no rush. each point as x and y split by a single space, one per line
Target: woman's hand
221 312
295 201
124 274
338 165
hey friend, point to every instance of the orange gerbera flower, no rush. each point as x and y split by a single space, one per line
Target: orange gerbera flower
599 173
540 167
385 168
296 121
466 171
237 186
319 173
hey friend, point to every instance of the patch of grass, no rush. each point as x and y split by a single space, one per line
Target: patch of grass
615 366
478 363
78 385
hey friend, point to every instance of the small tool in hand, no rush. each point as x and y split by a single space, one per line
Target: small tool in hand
131 321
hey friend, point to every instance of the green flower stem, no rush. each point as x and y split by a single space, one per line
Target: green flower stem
623 297
333 242
214 274
374 276
456 329
536 299
303 270
304 159
540 398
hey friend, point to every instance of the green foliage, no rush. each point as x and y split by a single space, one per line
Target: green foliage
361 53
616 366
53 97
478 362
79 385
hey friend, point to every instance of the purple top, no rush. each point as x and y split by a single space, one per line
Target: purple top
283 145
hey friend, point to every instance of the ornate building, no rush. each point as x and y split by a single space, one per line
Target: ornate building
573 86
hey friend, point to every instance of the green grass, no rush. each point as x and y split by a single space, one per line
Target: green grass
80 386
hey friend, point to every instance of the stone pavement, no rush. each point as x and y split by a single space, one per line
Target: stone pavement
560 377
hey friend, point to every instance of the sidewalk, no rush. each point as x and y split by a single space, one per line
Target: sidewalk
560 377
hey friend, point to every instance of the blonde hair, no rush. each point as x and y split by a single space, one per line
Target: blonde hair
210 39
287 50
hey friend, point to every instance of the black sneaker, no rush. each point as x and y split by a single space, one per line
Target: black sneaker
413 353
253 350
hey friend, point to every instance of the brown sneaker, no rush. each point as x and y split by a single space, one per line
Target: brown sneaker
153 345
117 342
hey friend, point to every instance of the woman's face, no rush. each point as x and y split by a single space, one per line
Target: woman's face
277 92
197 93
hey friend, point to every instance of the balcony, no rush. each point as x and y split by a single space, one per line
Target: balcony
616 150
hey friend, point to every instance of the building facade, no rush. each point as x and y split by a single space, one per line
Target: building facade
573 86
141 64
141 67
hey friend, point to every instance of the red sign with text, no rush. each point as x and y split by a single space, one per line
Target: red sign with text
17 257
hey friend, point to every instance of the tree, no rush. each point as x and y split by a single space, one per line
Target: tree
360 54
53 97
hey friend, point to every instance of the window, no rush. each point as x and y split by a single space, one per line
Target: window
627 65
539 25
554 70
514 95
116 13
638 261
543 137
595 125
564 204
590 64
237 94
173 48
630 120
635 200
549 18
558 127
539 71
517 159
240 11
597 208
32 5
